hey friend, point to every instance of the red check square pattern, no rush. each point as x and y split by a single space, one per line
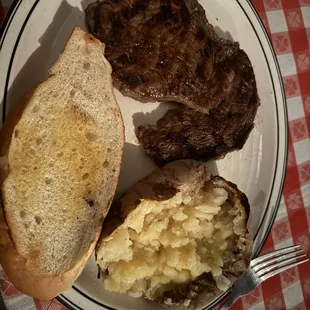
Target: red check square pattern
291 289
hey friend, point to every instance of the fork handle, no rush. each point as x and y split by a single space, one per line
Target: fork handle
230 301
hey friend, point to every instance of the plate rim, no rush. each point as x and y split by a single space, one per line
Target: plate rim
3 32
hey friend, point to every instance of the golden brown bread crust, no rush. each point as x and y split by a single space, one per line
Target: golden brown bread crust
16 267
19 273
186 176
20 270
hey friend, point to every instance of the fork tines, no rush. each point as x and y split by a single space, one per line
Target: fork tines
277 261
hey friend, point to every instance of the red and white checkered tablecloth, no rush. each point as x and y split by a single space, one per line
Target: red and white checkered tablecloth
288 25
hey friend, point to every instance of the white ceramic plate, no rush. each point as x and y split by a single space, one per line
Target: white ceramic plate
34 34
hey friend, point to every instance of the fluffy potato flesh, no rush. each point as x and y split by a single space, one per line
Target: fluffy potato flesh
162 244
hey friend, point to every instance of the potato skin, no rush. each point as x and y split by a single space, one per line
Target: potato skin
203 290
186 176
182 175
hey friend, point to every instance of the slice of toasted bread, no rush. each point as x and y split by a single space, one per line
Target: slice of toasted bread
61 152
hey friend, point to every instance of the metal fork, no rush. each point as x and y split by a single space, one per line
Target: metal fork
262 268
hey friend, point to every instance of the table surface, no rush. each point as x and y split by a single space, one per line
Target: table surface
288 26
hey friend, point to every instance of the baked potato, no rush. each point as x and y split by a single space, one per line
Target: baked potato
179 236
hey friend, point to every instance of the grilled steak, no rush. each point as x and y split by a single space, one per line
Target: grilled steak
186 133
165 50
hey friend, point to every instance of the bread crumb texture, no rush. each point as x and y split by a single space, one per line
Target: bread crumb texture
59 183
162 244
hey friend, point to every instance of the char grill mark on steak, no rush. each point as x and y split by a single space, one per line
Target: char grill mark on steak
162 50
165 50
